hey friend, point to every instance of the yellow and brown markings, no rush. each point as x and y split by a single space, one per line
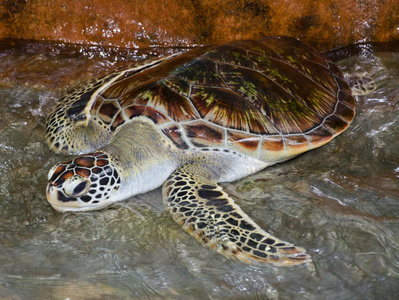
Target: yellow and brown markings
293 51
177 85
108 110
306 73
243 142
320 74
203 209
297 86
126 89
272 148
57 172
259 49
291 102
174 133
84 166
344 87
202 134
118 121
200 71
85 161
83 172
343 111
296 55
142 110
319 136
162 98
295 144
334 69
335 124
227 109
231 54
137 78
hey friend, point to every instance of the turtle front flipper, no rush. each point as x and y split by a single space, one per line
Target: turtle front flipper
201 207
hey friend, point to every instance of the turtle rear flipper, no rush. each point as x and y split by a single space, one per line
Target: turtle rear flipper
211 216
361 84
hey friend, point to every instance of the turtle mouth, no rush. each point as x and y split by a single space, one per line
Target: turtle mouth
62 203
59 201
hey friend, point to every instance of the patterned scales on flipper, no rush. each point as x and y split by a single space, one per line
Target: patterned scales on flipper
211 216
361 84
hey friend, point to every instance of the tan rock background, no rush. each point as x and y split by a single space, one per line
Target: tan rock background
325 24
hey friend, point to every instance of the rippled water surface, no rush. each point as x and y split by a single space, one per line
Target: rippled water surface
341 202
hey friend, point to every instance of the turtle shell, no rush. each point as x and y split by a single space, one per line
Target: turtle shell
270 99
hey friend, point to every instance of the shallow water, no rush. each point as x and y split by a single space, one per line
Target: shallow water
341 202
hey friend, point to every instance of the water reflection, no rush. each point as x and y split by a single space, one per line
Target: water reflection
341 202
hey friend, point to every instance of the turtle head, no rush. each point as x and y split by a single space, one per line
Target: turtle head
88 182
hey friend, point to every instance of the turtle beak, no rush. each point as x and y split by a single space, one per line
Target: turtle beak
51 195
59 201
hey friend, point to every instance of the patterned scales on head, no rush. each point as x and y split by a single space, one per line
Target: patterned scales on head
188 121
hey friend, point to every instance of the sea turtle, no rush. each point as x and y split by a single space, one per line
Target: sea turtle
186 122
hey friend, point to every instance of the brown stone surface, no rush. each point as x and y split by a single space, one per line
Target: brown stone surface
142 23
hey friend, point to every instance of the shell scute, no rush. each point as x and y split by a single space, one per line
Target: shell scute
242 142
271 148
118 121
83 172
177 85
319 136
231 54
201 71
201 134
107 111
335 124
146 111
345 112
343 85
259 50
225 108
160 97
85 161
335 70
293 51
348 100
295 144
174 133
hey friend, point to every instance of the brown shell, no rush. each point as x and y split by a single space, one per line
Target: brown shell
270 99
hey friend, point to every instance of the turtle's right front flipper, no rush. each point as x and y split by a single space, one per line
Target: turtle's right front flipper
211 216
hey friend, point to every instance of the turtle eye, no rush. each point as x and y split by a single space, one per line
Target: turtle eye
76 186
80 188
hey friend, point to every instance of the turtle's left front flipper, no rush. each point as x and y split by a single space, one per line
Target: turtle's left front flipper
200 206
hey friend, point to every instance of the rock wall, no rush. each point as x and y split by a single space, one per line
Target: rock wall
325 24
